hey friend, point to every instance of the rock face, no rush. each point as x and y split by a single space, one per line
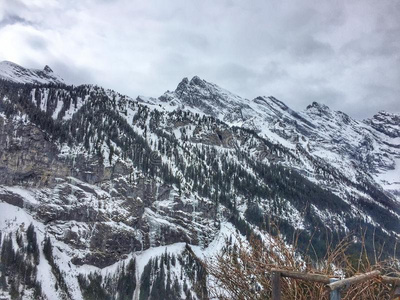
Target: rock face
115 208
386 123
112 182
113 211
27 155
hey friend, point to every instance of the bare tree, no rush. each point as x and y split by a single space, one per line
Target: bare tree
243 270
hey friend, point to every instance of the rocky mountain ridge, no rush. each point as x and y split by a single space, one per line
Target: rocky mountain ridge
351 146
15 73
115 185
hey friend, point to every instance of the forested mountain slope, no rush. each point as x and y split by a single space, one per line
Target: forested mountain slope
126 196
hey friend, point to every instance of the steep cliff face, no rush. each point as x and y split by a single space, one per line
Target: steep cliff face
27 154
114 214
125 190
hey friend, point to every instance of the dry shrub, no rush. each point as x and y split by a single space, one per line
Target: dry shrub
242 271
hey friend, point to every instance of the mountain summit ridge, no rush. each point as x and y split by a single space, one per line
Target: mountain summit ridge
13 72
327 134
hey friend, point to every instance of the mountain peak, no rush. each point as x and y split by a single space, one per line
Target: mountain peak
182 85
47 69
202 96
385 122
388 115
318 108
195 83
196 80
13 72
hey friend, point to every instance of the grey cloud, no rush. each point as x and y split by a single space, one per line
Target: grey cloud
14 13
73 74
246 81
274 71
13 19
234 71
184 38
363 48
36 42
310 48
239 77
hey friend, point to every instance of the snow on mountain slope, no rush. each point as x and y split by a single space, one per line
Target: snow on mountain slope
264 114
13 72
388 126
356 145
353 147
14 220
387 123
161 182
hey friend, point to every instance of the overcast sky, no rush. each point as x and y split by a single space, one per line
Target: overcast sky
345 54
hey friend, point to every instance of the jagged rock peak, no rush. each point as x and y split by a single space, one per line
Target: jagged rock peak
318 108
388 123
182 85
13 72
389 116
47 69
197 81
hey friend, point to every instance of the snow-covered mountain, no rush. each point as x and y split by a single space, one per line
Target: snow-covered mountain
15 73
353 147
124 194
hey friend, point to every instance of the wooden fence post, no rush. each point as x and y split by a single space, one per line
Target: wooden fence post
276 285
396 292
334 294
354 279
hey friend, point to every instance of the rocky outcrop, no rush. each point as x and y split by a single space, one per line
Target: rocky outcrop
386 123
27 156
108 203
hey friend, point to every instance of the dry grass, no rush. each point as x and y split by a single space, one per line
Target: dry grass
243 271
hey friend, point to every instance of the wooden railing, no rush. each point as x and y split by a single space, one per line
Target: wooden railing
333 284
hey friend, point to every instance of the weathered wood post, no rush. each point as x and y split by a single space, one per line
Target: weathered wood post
334 294
395 282
335 284
396 292
276 285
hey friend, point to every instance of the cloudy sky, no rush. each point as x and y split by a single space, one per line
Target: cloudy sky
345 54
